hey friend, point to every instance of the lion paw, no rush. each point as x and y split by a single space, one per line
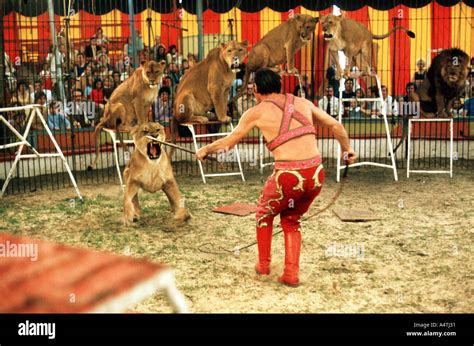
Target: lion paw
226 119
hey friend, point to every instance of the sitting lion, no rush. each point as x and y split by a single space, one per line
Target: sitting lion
444 82
353 38
130 101
208 83
280 45
150 169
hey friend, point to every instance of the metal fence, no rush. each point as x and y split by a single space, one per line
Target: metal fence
32 52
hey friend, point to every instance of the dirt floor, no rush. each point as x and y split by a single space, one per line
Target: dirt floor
418 258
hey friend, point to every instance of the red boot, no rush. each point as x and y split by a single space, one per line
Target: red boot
292 259
264 242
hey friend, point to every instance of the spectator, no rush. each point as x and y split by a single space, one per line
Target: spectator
389 105
127 72
173 56
246 101
56 119
9 73
360 94
108 88
40 99
420 73
81 81
92 50
163 108
104 60
97 94
469 84
348 93
37 87
175 74
80 65
159 53
116 79
78 111
22 97
184 67
354 110
407 107
45 75
89 86
329 102
457 109
103 72
331 76
468 109
101 39
53 64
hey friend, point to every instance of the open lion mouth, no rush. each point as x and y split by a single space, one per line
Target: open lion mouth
153 151
327 36
453 77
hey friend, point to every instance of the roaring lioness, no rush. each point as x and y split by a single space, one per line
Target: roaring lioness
208 83
280 45
353 38
150 169
129 103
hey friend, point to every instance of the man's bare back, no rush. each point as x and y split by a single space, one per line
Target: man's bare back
269 120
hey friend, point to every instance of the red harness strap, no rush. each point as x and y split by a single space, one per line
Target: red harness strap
289 112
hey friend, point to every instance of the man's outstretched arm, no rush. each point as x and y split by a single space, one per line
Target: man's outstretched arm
246 123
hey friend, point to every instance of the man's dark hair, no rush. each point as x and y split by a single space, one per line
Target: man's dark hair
267 81
39 95
164 89
349 80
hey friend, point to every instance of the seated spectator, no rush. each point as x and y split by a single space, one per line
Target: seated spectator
103 72
331 77
175 74
116 79
469 84
457 108
40 99
81 81
80 65
97 95
468 108
56 119
420 73
78 111
108 88
103 60
37 87
92 50
173 56
127 72
45 75
101 38
163 107
89 87
329 103
246 101
354 110
348 93
390 105
159 53
185 67
22 96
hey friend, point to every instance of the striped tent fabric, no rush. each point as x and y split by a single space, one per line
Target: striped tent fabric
436 27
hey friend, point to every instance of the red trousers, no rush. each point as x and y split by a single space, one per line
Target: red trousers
289 191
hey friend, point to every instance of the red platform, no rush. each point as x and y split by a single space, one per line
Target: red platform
56 278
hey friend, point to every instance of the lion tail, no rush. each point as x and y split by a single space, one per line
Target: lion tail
410 33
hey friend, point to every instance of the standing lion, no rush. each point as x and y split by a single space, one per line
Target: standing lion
353 38
280 45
